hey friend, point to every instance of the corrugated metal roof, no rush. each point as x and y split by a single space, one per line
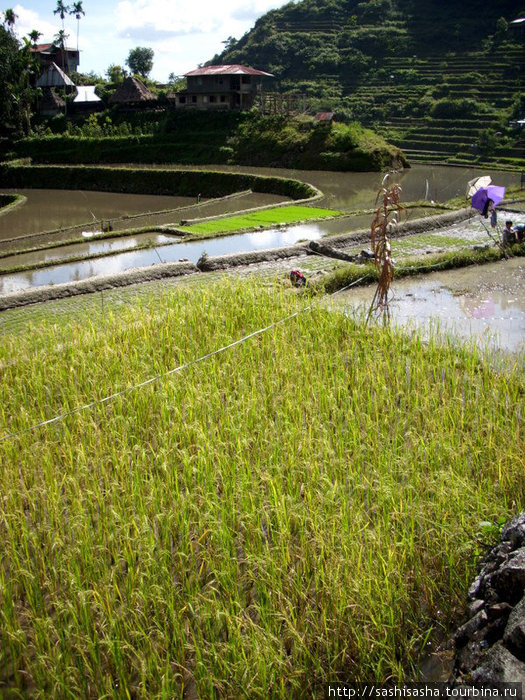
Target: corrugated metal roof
235 69
86 93
54 77
324 116
46 48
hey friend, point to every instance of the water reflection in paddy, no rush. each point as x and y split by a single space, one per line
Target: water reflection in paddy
46 210
94 247
192 251
485 303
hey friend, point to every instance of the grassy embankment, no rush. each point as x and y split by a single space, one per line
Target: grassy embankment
9 201
411 265
303 507
246 138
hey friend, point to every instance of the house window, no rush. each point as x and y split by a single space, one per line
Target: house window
199 81
213 98
194 98
205 98
223 99
182 99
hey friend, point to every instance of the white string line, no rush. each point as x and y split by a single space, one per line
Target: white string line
180 368
175 370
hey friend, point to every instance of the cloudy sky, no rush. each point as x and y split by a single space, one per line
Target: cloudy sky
182 33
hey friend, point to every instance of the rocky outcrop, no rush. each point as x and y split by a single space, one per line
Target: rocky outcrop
490 645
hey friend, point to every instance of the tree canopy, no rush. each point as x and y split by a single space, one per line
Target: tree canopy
140 61
17 72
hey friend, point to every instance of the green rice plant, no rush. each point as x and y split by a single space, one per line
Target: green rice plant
298 509
264 218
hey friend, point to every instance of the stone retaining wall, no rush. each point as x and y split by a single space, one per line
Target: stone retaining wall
490 645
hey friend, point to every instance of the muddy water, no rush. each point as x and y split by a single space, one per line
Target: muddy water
351 191
485 304
46 210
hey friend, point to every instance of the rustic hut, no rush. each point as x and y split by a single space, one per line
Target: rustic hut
324 118
53 76
86 99
51 103
133 94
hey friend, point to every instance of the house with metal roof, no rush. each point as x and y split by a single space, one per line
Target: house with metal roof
54 76
68 59
220 87
86 99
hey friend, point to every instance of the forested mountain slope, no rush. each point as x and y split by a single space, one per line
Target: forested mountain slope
454 67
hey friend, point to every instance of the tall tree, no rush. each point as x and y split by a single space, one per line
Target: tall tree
34 35
60 40
10 19
62 10
77 10
140 61
18 68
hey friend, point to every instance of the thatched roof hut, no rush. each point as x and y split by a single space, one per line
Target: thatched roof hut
51 103
132 91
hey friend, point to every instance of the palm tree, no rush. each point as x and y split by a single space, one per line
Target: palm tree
60 41
77 10
61 10
10 19
34 35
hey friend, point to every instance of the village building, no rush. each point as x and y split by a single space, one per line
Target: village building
51 104
68 59
220 87
133 94
54 76
86 100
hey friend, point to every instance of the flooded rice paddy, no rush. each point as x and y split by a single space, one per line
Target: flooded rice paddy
485 304
46 210
192 251
92 248
179 250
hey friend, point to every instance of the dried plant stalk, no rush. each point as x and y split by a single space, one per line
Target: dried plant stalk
384 223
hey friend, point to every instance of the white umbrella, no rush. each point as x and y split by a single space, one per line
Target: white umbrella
477 183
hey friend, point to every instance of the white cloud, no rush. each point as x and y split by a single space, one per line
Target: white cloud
182 34
27 20
155 20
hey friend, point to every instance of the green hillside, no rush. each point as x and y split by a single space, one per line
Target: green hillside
442 80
